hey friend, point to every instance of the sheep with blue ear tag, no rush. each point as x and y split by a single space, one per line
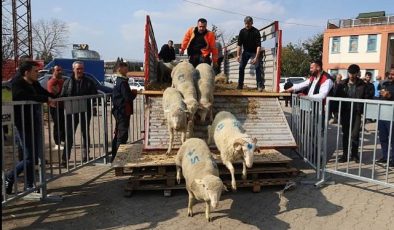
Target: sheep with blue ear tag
232 143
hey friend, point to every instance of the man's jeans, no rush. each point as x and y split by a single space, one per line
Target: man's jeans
384 132
244 61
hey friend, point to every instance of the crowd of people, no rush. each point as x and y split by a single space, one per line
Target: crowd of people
320 85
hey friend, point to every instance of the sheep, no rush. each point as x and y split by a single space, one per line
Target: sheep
164 70
183 80
201 175
175 112
232 143
205 87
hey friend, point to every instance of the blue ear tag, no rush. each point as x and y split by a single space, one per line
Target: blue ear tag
250 146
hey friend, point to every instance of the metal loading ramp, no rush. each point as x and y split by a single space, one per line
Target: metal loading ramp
259 113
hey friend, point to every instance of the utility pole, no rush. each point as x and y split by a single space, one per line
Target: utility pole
22 29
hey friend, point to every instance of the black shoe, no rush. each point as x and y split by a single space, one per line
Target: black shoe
64 164
8 186
381 160
240 87
343 159
356 159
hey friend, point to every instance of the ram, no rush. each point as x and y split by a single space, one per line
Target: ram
201 174
232 143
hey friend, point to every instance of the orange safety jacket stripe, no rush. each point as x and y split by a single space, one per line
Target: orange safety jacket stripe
210 39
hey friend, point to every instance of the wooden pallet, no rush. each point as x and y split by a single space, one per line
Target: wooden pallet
157 171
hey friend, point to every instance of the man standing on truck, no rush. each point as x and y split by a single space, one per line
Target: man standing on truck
167 52
122 108
200 43
78 85
250 40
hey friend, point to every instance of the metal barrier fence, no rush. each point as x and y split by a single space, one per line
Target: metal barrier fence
362 155
307 128
32 146
354 146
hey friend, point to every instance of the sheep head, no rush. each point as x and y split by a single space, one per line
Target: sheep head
247 147
177 119
211 187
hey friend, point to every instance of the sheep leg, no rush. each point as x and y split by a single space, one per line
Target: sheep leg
183 136
171 132
190 205
178 174
231 169
244 176
211 114
209 141
207 211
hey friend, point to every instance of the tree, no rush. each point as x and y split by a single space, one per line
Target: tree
49 38
295 61
314 47
7 45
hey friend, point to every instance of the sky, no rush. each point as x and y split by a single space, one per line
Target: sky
116 28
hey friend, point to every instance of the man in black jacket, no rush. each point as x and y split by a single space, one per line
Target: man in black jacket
78 85
352 87
27 121
249 39
167 52
122 108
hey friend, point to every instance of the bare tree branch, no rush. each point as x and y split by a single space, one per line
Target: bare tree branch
49 38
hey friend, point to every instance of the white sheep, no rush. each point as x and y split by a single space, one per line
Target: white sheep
201 174
205 87
232 143
183 80
175 112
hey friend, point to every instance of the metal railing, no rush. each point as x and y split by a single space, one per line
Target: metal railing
29 139
357 22
357 146
307 128
362 155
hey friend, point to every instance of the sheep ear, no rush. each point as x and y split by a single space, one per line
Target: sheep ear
199 181
225 188
237 146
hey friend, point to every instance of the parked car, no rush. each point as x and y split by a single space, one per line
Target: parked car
101 88
136 85
294 80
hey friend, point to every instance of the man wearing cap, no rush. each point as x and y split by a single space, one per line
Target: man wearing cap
352 87
249 39
200 43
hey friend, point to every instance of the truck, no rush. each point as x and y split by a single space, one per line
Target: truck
259 113
91 59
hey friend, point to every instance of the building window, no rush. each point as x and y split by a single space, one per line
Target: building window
333 72
335 46
353 44
372 40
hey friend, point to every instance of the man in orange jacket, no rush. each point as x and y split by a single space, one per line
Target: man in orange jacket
200 43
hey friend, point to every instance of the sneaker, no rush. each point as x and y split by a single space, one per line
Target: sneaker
355 159
343 159
260 89
60 147
8 186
